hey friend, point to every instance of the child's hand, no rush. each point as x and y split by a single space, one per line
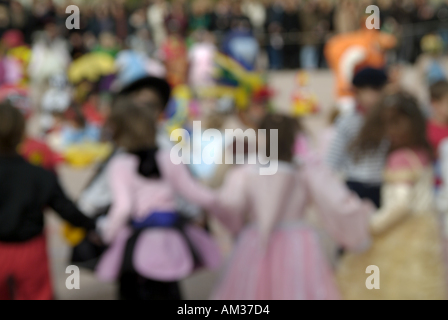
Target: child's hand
95 238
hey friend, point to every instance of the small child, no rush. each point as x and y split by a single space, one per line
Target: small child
174 54
430 64
278 255
56 100
159 247
363 172
108 43
24 192
77 129
201 56
406 245
34 150
74 129
148 92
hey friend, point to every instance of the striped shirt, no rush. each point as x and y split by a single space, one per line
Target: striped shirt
368 168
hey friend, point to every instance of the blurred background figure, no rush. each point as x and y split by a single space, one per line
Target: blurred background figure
309 23
240 43
156 14
407 170
201 59
350 52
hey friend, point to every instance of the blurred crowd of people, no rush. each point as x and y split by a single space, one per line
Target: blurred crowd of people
292 32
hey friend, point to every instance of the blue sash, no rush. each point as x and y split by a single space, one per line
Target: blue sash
157 219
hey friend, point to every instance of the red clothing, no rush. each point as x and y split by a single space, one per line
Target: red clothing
38 153
27 265
92 114
436 134
175 55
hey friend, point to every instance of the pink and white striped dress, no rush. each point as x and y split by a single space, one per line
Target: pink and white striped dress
277 255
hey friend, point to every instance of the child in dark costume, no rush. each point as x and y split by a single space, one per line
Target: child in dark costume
24 192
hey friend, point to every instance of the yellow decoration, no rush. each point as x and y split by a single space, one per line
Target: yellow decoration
303 101
182 92
241 98
85 154
248 82
23 55
182 96
73 235
91 67
240 95
303 105
252 80
432 44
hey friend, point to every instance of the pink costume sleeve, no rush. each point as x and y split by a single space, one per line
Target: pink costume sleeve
301 147
343 214
227 204
231 201
183 183
120 180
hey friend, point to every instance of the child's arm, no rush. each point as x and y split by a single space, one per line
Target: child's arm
120 176
226 205
396 198
344 215
402 170
59 202
183 183
231 200
338 146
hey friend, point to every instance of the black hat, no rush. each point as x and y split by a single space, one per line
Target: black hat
158 84
370 77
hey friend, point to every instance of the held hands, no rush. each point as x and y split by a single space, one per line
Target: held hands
395 207
95 238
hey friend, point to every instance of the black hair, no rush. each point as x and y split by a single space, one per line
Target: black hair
159 85
12 127
370 78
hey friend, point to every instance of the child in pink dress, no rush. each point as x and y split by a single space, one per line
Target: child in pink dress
152 247
277 255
